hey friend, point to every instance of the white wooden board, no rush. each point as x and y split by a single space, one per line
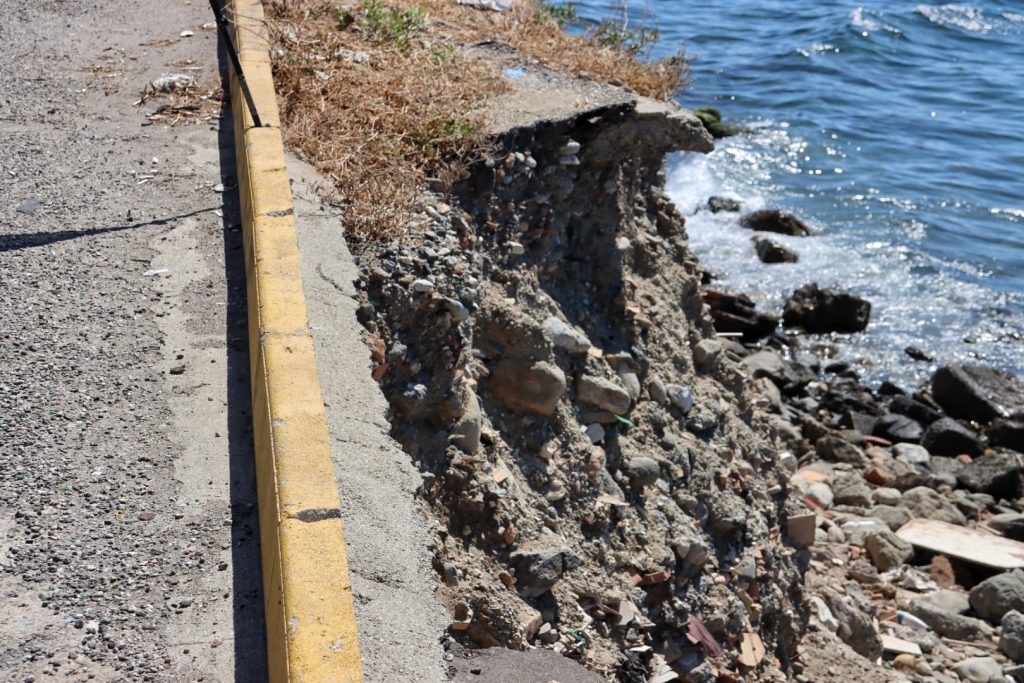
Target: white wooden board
972 545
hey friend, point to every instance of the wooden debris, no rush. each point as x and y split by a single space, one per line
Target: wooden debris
972 545
751 649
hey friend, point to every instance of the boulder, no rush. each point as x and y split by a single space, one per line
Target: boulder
946 436
950 624
835 449
604 394
528 386
851 489
826 310
1011 640
974 392
893 516
539 568
887 550
775 220
719 204
770 251
929 504
997 474
914 409
997 595
1008 434
979 670
898 428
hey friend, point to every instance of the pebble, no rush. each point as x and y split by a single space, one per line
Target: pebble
422 286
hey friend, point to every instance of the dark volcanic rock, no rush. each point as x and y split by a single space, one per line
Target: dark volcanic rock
974 392
826 310
1008 434
917 354
539 569
718 204
914 409
773 252
735 313
898 428
775 220
998 474
949 437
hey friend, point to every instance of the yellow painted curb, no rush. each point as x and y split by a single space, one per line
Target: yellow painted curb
311 627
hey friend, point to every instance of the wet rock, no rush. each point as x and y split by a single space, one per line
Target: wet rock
851 489
1011 640
565 336
826 310
642 471
917 354
948 437
775 220
894 517
528 386
997 595
887 550
973 392
538 569
604 394
929 504
835 449
998 474
719 204
979 670
950 624
1008 434
898 428
712 120
737 313
914 409
769 251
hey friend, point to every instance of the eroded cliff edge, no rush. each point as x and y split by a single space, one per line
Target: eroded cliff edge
603 479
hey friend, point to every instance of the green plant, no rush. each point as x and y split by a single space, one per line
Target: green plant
386 25
560 14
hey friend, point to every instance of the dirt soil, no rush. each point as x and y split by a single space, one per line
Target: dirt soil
128 540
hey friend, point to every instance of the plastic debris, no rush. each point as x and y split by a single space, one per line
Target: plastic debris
493 5
155 271
187 34
171 82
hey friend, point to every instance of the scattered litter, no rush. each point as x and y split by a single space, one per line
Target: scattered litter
973 545
899 646
493 5
210 25
155 271
913 622
513 74
29 206
168 83
219 187
187 34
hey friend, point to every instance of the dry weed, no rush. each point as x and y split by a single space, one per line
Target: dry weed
380 98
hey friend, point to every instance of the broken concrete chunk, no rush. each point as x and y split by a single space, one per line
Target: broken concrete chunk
929 504
887 550
972 545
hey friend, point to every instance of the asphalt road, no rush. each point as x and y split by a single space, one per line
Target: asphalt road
128 536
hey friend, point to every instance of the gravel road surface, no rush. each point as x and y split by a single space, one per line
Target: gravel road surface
128 540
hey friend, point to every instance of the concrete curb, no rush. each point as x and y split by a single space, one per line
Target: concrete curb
311 628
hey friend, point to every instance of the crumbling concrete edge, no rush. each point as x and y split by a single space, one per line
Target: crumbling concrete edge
308 603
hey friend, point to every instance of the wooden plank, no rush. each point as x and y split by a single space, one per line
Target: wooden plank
972 545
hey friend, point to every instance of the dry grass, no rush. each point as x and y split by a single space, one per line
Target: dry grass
380 98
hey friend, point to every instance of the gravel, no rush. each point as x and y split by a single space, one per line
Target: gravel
124 487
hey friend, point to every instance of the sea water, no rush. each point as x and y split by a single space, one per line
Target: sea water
896 130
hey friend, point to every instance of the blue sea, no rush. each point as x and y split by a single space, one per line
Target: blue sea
895 129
